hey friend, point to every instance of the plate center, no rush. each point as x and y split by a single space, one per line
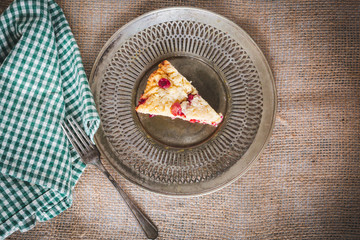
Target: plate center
179 133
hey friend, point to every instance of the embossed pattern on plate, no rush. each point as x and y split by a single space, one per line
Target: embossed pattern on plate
202 158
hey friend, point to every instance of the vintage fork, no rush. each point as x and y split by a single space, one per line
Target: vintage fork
91 155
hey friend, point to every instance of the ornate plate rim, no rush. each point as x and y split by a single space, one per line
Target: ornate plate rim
262 134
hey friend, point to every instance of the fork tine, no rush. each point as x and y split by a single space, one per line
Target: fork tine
79 136
77 127
72 138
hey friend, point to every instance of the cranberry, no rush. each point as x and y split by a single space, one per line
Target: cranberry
151 115
176 109
190 97
164 83
142 100
194 121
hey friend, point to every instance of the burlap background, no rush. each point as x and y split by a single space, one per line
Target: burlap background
307 182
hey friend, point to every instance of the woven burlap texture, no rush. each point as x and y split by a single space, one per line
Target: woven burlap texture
305 185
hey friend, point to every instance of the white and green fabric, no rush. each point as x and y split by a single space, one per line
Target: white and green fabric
42 81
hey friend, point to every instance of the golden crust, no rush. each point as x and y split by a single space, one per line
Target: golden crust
161 72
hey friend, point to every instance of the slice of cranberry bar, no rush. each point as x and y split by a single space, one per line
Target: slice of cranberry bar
170 94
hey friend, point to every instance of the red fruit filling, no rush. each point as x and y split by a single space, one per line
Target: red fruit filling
151 115
194 121
142 100
190 97
164 83
176 109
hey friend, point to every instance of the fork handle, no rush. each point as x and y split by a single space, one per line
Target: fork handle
146 224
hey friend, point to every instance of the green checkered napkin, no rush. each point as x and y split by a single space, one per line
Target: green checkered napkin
42 81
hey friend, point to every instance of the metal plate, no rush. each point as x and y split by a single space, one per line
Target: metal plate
175 157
